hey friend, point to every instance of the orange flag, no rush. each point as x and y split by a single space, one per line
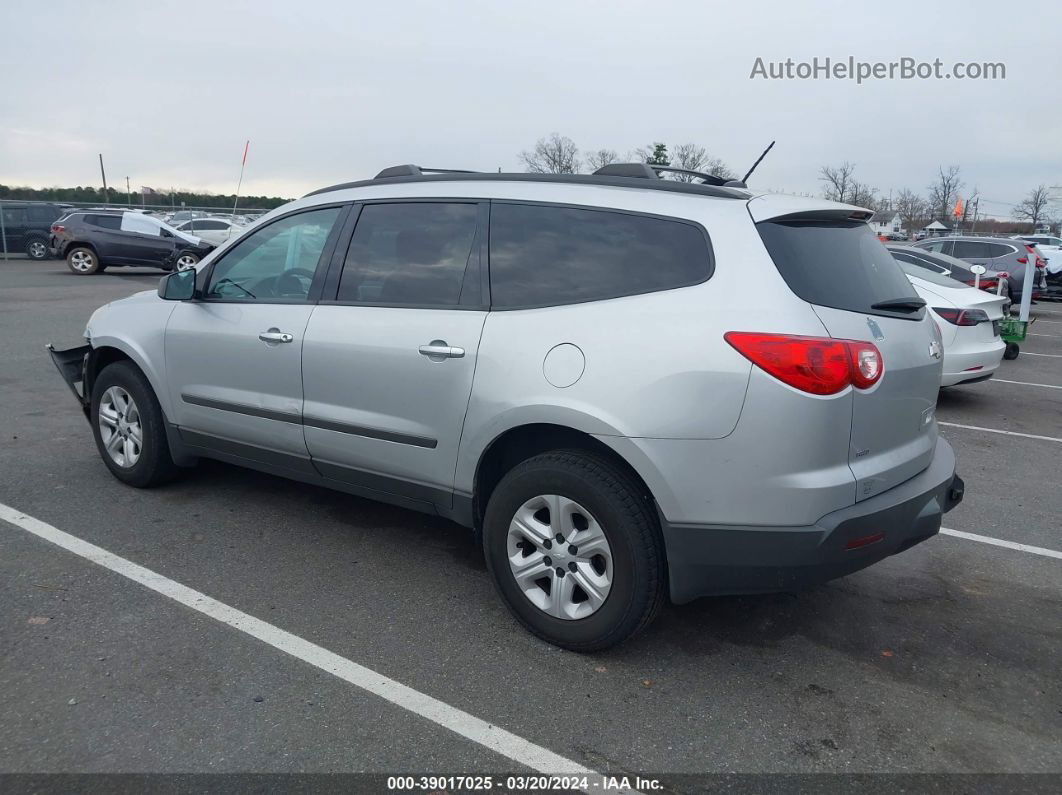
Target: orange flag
958 208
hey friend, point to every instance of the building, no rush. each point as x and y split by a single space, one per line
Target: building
886 222
935 229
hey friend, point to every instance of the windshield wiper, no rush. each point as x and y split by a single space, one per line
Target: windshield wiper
912 304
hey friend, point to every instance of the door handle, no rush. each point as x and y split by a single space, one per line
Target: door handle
438 350
275 335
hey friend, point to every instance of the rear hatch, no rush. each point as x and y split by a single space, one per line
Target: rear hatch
829 257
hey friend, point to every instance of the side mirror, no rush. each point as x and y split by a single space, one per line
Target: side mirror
178 286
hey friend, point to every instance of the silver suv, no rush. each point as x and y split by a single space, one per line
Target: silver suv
558 363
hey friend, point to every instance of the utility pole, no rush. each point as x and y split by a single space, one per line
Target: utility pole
106 197
128 194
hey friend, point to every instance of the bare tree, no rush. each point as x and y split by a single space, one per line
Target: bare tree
602 157
944 190
696 158
837 181
1033 208
862 195
557 154
913 209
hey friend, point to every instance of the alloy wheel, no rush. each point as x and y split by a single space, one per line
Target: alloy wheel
82 261
120 428
560 557
38 250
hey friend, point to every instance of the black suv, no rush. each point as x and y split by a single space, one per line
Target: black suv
26 226
92 240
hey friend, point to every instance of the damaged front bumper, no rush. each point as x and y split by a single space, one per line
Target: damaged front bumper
73 367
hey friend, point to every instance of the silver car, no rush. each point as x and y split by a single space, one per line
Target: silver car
559 364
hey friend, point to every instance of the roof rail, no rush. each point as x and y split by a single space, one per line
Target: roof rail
409 170
410 173
652 171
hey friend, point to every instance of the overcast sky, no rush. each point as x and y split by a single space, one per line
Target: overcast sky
329 91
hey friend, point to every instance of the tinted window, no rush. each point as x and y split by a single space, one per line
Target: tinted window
104 221
416 253
42 214
277 262
840 264
908 259
15 216
912 268
542 255
993 250
191 226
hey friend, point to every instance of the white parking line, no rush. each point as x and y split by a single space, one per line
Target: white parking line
999 542
458 721
1051 355
1000 431
1041 320
1052 336
1023 383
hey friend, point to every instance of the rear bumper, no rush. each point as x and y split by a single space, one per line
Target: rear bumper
958 367
713 559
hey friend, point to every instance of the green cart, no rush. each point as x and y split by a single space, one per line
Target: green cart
1013 331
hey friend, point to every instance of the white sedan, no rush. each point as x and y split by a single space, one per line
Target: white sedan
212 230
968 320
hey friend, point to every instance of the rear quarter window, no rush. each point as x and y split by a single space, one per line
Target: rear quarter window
543 255
835 263
104 221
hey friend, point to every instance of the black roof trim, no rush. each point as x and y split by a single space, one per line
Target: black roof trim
667 185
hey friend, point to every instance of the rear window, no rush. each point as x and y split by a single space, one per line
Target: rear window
104 221
543 255
923 273
834 263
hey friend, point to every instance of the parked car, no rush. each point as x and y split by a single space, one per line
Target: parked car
968 320
995 253
213 230
93 241
181 216
1051 248
995 282
558 363
26 226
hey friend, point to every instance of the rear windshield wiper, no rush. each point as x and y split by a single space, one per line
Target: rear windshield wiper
912 304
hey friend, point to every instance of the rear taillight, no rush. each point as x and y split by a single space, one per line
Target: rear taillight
1022 260
962 317
988 283
57 228
818 365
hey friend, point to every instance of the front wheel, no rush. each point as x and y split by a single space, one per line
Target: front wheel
129 428
186 261
572 543
37 248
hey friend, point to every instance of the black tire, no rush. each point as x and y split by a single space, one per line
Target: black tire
83 261
1011 351
37 248
628 519
155 464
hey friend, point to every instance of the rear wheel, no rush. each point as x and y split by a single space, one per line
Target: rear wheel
1011 351
83 261
129 428
572 543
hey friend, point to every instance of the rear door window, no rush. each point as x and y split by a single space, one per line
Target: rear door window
413 254
104 221
995 250
836 263
542 255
